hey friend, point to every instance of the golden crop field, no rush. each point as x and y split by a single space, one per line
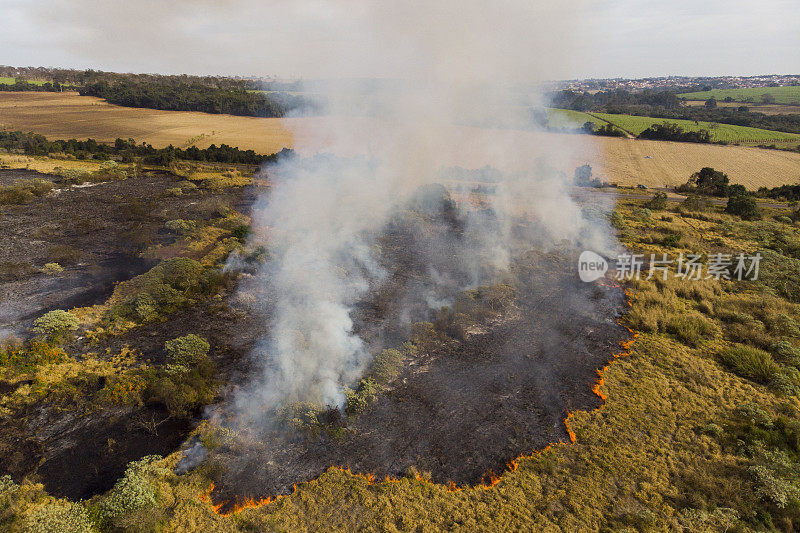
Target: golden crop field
618 160
66 115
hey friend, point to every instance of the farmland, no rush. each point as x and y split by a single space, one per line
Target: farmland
719 132
782 95
622 161
10 81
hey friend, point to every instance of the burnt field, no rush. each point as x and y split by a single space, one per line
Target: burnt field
488 377
475 377
56 429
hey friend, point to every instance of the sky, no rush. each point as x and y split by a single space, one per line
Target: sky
298 38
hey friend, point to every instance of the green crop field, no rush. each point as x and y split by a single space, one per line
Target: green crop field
782 95
719 132
567 118
10 81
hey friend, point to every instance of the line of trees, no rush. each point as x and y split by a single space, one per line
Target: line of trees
673 132
128 150
177 96
208 94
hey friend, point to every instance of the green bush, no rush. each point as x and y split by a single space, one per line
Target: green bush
55 325
159 291
786 381
785 352
24 191
52 268
186 351
695 204
657 202
750 363
753 414
132 491
671 240
60 516
181 226
744 206
386 366
366 393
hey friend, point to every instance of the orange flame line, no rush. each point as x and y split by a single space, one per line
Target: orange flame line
489 480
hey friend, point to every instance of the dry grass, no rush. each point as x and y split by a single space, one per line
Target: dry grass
622 161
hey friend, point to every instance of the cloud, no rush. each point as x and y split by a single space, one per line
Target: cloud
294 38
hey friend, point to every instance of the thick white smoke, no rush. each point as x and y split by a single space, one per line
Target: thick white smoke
465 73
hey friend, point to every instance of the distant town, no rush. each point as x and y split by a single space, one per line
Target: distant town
681 82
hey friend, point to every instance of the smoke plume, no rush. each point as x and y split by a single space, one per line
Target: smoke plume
466 76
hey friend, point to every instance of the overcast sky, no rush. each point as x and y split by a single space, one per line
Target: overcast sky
380 38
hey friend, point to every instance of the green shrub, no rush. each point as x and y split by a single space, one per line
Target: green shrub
55 325
753 414
300 415
159 291
750 363
186 351
745 206
783 325
60 516
132 491
52 268
785 352
24 191
781 274
386 366
174 191
366 393
657 202
180 272
695 204
240 232
671 240
181 226
785 381
617 220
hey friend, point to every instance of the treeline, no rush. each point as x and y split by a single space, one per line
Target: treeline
584 101
177 96
128 150
667 105
788 192
22 85
208 94
673 132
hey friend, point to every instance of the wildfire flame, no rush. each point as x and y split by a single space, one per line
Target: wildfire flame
490 479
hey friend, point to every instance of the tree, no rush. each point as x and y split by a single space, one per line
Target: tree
711 103
745 206
583 174
707 181
767 98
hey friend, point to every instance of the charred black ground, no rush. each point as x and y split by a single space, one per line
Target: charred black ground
473 395
98 234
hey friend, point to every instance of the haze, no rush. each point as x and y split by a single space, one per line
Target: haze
619 38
